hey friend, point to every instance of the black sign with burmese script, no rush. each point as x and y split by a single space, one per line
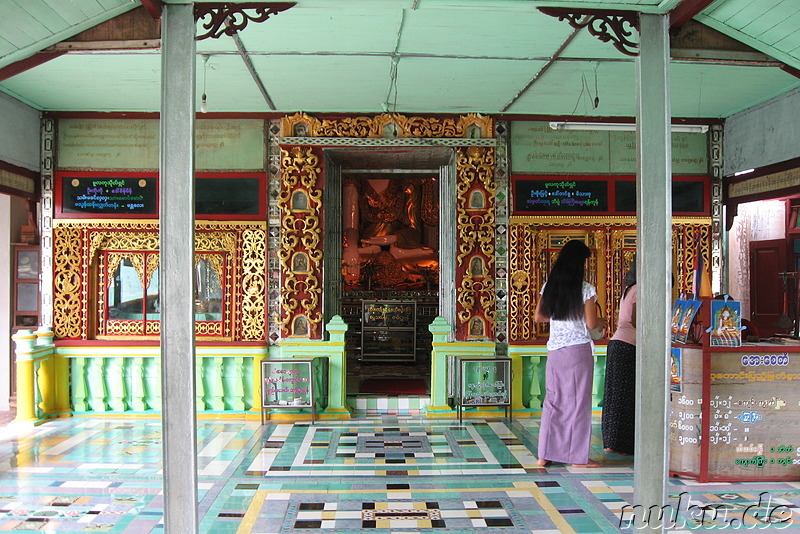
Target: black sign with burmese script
109 195
387 313
555 195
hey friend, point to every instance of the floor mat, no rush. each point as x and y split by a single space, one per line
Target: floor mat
393 386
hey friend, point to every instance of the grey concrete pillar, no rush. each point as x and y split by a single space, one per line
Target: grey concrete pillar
176 267
654 264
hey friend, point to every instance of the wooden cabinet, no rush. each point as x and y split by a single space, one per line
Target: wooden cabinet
25 303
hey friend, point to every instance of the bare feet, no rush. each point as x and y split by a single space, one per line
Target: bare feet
591 463
541 462
612 451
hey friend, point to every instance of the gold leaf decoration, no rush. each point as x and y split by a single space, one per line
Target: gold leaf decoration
236 251
301 232
534 243
475 229
473 125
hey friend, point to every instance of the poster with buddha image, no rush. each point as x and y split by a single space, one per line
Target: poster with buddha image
726 323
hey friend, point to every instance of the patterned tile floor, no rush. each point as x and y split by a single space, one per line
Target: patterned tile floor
381 475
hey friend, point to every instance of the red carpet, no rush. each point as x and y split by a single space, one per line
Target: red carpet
393 386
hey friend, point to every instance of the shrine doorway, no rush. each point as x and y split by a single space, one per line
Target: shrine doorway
385 265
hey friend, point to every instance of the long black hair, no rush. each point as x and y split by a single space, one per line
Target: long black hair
563 293
630 277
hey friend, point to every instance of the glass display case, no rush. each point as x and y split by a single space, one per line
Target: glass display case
388 330
294 384
484 382
26 286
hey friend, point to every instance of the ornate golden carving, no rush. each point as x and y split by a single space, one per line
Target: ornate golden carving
534 243
123 328
240 265
301 292
374 127
595 220
475 229
207 241
69 297
622 249
521 297
153 328
111 240
152 265
254 285
215 261
210 329
686 241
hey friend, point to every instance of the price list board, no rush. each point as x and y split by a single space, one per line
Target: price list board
685 411
754 409
734 414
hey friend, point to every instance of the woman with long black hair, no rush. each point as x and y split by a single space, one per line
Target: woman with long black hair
568 304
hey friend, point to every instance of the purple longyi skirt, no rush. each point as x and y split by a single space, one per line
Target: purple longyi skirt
566 428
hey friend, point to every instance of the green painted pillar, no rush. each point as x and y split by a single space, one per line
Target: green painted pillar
79 394
537 383
26 396
95 385
599 379
152 383
232 383
517 397
199 384
115 384
213 370
135 381
438 406
337 369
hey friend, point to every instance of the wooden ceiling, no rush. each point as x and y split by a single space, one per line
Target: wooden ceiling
410 56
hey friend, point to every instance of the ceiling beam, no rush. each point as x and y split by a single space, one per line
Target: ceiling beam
251 69
154 7
685 11
83 46
790 70
544 69
28 63
128 31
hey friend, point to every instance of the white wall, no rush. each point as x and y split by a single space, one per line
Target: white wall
12 216
763 135
19 133
6 345
755 221
19 145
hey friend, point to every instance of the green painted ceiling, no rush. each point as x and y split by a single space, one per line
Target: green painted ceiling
411 56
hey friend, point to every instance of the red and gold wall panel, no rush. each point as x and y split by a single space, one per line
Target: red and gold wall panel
534 243
79 274
300 254
475 243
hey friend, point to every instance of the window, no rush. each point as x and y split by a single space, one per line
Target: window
131 306
208 289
